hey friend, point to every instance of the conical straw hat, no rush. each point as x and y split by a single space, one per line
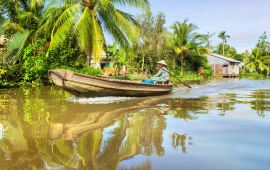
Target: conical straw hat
162 62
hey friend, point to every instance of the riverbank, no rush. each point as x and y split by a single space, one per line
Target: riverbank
252 75
187 77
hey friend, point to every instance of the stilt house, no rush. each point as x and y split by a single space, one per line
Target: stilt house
224 66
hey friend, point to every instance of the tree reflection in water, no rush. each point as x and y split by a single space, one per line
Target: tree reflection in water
187 109
29 145
41 134
180 141
261 102
226 102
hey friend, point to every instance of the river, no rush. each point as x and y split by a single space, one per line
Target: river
221 124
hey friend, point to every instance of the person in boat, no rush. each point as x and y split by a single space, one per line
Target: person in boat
163 76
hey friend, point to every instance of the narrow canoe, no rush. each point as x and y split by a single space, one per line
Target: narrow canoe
85 85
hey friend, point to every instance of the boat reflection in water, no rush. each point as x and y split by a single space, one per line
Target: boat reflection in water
41 129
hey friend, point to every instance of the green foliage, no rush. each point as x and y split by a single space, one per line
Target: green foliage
7 84
230 52
89 71
81 19
21 15
151 45
119 55
187 44
251 75
186 77
15 46
222 35
263 44
208 72
65 55
259 59
257 62
2 72
195 61
34 65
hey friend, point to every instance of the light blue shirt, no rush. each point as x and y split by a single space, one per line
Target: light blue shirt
162 75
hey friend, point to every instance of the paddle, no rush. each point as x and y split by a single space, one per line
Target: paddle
176 78
146 75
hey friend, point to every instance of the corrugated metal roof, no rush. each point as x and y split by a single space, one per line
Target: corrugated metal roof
224 58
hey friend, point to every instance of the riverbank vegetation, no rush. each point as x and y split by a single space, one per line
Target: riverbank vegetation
41 35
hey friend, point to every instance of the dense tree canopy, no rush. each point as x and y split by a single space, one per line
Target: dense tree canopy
49 34
88 20
186 42
151 45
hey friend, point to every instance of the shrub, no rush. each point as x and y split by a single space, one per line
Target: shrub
252 75
34 65
65 55
90 71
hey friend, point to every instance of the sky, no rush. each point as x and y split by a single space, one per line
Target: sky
243 20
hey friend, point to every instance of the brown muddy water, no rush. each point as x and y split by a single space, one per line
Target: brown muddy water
218 125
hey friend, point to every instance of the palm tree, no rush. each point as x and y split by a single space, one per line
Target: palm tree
88 19
257 61
187 42
23 19
222 35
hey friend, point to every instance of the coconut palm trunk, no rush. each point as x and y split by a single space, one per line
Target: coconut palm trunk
181 63
268 70
142 68
222 35
223 48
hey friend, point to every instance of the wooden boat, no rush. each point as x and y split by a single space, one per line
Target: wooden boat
85 85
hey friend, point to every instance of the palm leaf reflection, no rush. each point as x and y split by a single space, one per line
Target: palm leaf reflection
140 133
14 147
88 146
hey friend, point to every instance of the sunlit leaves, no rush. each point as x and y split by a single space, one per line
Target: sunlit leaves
257 62
88 20
63 25
15 44
186 42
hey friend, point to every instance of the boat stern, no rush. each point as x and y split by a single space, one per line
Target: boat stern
58 76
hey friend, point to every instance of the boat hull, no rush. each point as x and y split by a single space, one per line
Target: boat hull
90 86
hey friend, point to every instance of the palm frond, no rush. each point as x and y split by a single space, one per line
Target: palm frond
143 4
97 40
49 18
35 5
83 29
15 45
63 25
125 23
109 22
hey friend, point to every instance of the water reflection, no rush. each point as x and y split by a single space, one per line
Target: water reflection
226 102
261 103
40 129
181 141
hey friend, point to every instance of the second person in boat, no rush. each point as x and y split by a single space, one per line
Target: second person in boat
163 76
